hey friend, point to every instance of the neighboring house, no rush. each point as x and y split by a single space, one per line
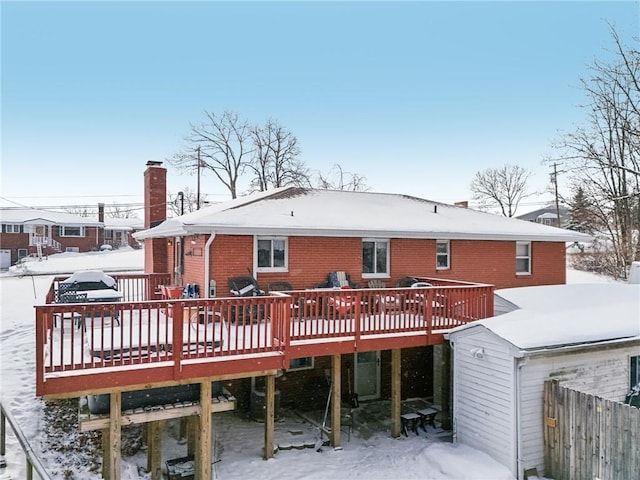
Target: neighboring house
585 336
548 216
27 231
299 236
118 232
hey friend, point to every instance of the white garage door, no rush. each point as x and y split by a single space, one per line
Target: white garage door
5 259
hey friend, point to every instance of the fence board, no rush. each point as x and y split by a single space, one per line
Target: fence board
589 437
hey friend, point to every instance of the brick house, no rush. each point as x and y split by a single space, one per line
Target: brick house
27 231
299 236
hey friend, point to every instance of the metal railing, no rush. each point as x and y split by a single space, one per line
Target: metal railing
33 462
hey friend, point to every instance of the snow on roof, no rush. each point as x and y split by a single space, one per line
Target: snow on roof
294 211
35 216
561 315
123 224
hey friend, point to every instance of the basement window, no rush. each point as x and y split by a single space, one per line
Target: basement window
304 363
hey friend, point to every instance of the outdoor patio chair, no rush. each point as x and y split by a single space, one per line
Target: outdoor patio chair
406 282
340 279
376 284
244 287
279 287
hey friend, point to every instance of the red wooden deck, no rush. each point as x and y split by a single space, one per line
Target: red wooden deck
95 347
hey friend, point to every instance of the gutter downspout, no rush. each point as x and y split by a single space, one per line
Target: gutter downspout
521 362
207 259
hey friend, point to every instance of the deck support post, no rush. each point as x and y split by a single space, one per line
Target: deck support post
335 399
192 428
442 382
154 449
115 432
396 393
203 450
269 415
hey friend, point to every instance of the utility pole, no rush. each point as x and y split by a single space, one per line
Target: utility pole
554 178
198 192
181 196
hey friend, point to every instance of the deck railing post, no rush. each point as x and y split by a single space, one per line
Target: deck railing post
176 310
41 328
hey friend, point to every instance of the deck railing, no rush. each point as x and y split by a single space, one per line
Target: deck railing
81 346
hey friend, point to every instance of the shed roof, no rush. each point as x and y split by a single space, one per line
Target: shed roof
293 211
555 316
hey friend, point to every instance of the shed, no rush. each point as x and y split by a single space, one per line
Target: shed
585 336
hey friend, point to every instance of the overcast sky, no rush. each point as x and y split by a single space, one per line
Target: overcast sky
415 96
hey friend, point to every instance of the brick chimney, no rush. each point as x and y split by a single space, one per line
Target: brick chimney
464 204
155 212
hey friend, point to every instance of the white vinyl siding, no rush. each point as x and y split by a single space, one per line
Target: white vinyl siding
604 373
483 395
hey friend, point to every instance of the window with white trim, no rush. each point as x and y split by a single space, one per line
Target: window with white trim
442 254
272 254
375 258
523 258
66 231
304 363
634 372
11 228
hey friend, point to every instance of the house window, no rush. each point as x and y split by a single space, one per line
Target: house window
304 363
108 234
442 254
22 252
11 228
66 231
375 258
634 372
523 258
272 254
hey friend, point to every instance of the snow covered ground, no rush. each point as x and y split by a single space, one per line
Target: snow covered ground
238 439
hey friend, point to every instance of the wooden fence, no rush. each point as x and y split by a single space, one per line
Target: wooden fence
589 437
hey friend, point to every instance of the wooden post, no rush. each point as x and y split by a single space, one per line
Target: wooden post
335 399
203 451
269 415
115 459
106 461
182 433
395 392
192 428
154 449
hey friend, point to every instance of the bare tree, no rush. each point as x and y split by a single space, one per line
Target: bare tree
275 160
185 201
603 155
338 179
120 211
501 188
224 148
